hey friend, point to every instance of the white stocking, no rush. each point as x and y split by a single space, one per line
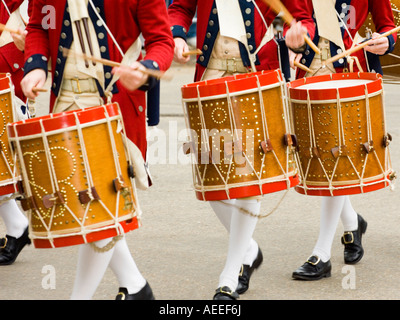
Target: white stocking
331 209
224 211
14 220
124 267
90 269
241 231
349 216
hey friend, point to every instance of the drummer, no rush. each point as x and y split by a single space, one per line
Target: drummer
112 32
12 62
223 55
337 25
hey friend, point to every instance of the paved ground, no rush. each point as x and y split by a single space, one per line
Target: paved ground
181 246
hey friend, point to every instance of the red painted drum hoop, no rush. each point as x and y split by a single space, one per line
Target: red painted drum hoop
236 84
59 121
296 93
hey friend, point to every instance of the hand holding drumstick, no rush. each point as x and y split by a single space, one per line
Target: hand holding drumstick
296 29
378 40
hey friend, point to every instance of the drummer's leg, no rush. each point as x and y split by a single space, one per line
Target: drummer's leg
349 216
125 269
90 269
14 220
354 227
16 224
224 214
331 209
314 269
242 227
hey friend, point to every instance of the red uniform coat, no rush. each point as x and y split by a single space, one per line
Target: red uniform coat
181 13
11 58
354 13
126 19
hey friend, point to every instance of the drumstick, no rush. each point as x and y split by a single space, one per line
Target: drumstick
192 53
35 89
154 73
4 28
360 46
278 7
302 67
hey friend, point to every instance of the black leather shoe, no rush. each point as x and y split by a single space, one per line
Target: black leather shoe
11 247
144 294
225 293
247 271
313 269
353 250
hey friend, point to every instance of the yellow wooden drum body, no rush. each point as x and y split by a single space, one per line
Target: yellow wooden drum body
240 137
76 176
8 172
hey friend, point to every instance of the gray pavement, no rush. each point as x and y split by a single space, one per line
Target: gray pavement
181 246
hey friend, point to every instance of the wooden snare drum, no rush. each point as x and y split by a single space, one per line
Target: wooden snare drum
76 176
239 136
8 172
339 121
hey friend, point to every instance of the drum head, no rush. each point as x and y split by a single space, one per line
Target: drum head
332 87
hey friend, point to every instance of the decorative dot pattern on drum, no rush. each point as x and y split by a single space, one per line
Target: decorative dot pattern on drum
8 172
339 122
229 119
75 171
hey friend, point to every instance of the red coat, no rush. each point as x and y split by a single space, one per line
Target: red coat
355 13
126 19
11 58
181 13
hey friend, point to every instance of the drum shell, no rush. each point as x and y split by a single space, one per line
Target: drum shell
236 112
340 120
65 154
8 173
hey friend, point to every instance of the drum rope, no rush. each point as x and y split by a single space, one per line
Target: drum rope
113 145
262 107
205 141
108 246
369 121
313 143
48 153
286 114
388 161
10 170
265 128
85 157
296 154
116 162
266 131
194 155
234 130
251 214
